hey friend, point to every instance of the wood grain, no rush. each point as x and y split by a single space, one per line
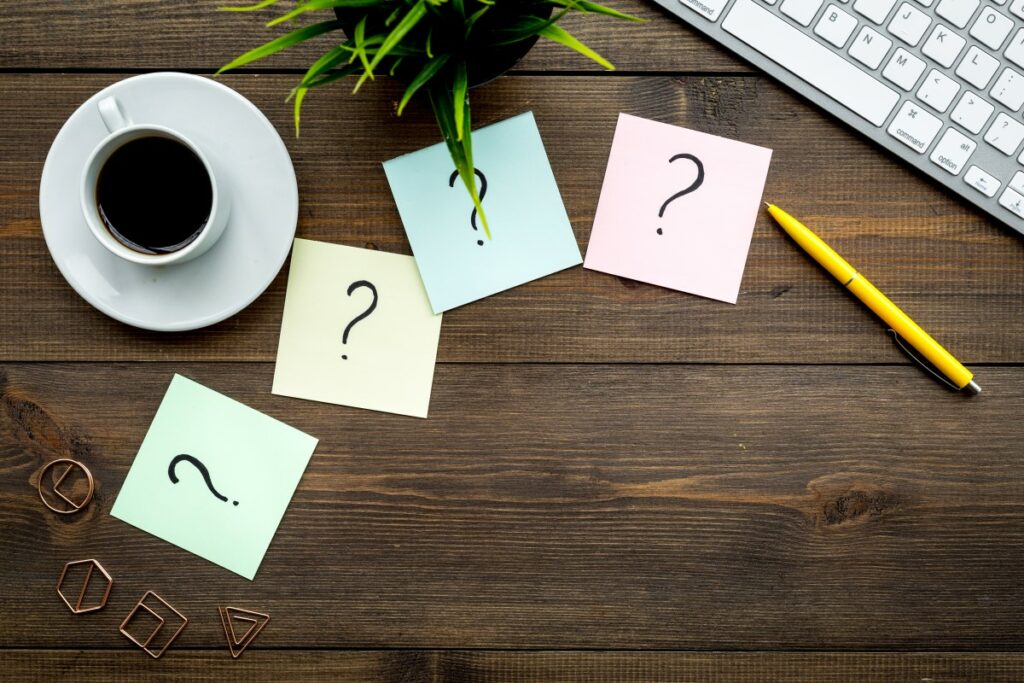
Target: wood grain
959 276
617 482
448 666
561 506
193 35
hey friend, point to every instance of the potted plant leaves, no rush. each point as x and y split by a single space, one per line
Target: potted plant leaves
438 47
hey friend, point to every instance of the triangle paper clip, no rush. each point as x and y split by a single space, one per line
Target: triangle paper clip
238 641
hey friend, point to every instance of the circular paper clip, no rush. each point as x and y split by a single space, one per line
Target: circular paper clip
75 507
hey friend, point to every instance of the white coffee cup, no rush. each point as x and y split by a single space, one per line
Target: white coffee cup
122 131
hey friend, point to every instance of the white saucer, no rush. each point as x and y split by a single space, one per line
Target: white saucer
247 153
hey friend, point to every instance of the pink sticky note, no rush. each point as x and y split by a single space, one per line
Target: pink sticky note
708 191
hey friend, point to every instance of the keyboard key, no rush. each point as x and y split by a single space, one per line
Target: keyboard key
953 151
977 67
903 69
801 11
1009 199
938 91
944 45
1017 8
875 10
991 28
982 181
909 24
811 61
1017 182
971 112
1005 134
870 47
957 12
914 127
926 3
835 26
1015 50
709 9
1009 89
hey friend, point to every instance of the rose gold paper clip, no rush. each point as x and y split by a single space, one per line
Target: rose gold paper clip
256 620
145 644
77 607
71 464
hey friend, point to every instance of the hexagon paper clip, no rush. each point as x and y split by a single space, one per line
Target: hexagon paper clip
77 607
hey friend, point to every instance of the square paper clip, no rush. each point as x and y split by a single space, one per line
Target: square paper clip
145 644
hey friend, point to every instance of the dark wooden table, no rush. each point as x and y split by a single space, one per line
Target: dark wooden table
617 482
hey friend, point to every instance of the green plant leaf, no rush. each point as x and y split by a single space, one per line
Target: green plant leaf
313 5
525 27
560 35
474 17
460 98
331 76
299 92
278 44
359 36
248 8
408 22
441 102
428 71
585 6
467 152
329 60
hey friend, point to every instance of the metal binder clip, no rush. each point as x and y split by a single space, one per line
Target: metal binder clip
921 362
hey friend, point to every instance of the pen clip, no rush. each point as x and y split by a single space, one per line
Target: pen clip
920 361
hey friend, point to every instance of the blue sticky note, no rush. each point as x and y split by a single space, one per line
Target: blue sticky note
531 233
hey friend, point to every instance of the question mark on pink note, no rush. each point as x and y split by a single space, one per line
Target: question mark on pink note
693 186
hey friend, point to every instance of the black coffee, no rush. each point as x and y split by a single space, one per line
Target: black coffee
154 195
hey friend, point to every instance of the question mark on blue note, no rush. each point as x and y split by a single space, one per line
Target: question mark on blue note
373 304
173 476
693 186
483 191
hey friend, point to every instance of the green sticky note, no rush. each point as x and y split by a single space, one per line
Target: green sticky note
357 330
252 462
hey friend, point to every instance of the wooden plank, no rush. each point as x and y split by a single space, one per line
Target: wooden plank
561 506
192 35
959 276
405 666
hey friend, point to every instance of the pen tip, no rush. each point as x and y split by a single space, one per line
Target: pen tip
768 204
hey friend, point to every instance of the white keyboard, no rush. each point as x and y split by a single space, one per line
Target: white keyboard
939 83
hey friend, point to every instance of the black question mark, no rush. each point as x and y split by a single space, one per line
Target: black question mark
483 191
373 304
202 470
696 183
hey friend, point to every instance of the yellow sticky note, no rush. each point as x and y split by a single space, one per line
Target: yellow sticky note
357 330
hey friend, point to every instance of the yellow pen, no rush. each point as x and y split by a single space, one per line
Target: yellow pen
958 376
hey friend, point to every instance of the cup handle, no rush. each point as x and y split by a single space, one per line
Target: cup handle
113 117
